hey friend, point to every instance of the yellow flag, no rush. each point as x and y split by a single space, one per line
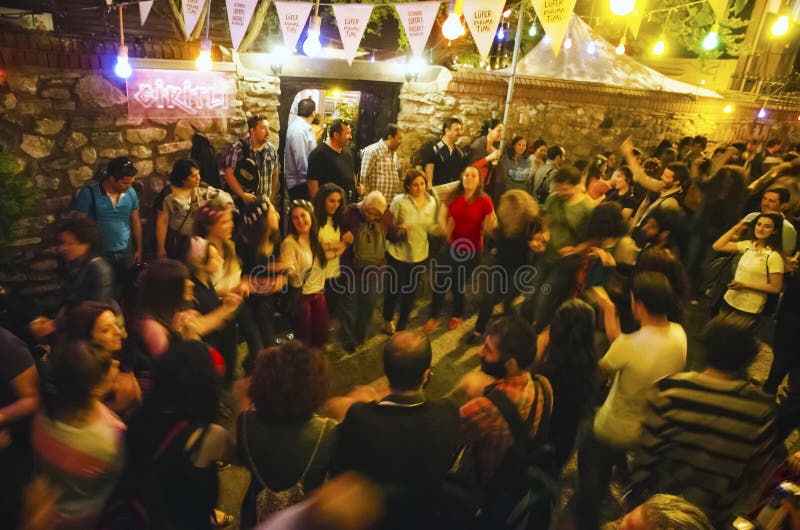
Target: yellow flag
719 7
635 20
554 16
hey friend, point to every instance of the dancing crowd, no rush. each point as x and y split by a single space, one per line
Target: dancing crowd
120 407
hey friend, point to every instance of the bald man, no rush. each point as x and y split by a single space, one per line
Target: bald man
403 442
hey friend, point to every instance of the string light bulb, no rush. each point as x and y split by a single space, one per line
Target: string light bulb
591 48
203 61
762 113
781 26
532 31
660 46
568 43
312 46
452 27
622 8
123 67
621 47
712 39
501 34
728 109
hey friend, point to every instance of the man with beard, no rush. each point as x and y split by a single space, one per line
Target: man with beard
659 230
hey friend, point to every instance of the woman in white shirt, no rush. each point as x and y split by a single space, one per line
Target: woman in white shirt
759 271
305 260
415 215
329 207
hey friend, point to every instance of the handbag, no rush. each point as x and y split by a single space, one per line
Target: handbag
267 500
177 244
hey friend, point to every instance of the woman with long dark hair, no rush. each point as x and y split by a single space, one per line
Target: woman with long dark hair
305 261
570 364
329 207
596 183
514 170
484 150
87 275
466 217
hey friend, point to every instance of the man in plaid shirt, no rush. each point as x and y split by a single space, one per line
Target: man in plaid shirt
380 169
251 166
509 348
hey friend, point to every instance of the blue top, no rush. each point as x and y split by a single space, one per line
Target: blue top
300 142
114 222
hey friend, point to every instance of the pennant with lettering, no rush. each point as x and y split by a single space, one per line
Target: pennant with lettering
144 10
483 16
418 19
554 16
239 14
635 21
351 20
292 16
192 9
719 7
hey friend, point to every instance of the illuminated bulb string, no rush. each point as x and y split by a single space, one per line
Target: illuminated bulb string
123 66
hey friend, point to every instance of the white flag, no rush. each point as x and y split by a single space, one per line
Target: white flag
554 16
352 21
144 10
418 19
191 14
483 16
293 16
239 14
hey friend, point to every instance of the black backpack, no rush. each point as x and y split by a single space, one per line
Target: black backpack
522 491
543 190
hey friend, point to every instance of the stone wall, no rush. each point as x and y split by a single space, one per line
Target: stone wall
585 119
64 125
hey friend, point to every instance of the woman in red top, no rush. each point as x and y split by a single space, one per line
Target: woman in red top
466 216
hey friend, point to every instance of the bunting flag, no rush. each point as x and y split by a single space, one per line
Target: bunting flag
719 7
554 16
418 19
635 20
796 11
144 10
192 9
352 19
483 16
239 14
292 16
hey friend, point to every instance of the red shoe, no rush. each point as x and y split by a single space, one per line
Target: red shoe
430 325
454 323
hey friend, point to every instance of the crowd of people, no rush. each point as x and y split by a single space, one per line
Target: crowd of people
119 409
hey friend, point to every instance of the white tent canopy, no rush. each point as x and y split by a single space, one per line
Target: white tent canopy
604 66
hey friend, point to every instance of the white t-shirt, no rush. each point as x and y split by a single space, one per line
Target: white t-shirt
752 268
638 360
328 234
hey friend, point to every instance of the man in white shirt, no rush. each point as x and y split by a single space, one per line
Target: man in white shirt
299 143
635 361
776 200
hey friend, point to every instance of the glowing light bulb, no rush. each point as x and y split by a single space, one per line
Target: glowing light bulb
533 31
660 47
762 113
728 109
621 48
452 28
501 34
781 26
622 8
507 13
568 43
203 61
591 48
312 46
712 39
123 67
546 39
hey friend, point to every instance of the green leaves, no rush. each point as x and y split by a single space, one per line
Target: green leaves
18 196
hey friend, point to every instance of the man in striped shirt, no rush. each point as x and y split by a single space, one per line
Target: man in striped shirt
380 169
710 433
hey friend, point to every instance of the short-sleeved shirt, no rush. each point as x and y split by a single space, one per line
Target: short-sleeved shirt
266 160
637 360
627 201
113 220
180 210
468 220
567 222
326 165
789 234
299 143
752 268
327 235
447 163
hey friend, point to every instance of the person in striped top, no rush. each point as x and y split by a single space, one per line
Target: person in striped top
708 433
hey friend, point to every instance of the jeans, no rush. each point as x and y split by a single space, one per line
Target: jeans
311 322
121 263
784 350
401 284
357 304
257 324
596 460
556 284
451 272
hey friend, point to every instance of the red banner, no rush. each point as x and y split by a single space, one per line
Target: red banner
181 94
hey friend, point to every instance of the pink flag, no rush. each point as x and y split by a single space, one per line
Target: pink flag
418 19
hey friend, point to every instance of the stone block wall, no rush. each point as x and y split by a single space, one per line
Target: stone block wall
585 119
64 125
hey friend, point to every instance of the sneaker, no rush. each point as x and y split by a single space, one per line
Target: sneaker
430 325
388 327
454 323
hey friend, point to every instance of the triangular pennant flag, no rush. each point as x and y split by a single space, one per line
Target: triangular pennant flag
554 17
239 14
719 7
351 20
292 16
635 21
191 14
738 6
144 10
418 19
483 16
